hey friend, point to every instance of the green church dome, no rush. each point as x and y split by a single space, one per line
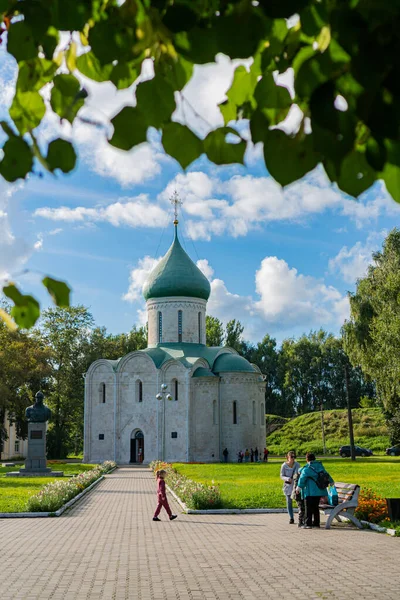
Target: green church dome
176 275
230 363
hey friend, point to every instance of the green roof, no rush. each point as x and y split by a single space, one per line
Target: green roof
176 275
232 363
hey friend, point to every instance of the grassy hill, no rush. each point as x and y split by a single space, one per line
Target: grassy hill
303 433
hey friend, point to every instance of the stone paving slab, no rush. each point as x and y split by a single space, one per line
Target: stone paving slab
107 547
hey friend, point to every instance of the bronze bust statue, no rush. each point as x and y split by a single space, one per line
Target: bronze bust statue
38 412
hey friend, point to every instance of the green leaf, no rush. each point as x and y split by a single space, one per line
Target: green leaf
49 42
61 155
270 95
26 310
89 65
175 70
239 33
259 126
65 97
289 158
66 19
198 45
21 43
181 143
356 175
240 93
391 171
17 160
156 100
313 18
282 8
130 128
33 74
376 153
123 75
179 17
58 290
113 38
27 110
220 151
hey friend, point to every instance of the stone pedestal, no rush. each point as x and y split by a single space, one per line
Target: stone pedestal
35 462
36 459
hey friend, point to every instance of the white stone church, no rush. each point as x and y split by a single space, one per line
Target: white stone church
211 398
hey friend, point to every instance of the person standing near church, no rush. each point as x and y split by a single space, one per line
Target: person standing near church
288 470
225 453
162 497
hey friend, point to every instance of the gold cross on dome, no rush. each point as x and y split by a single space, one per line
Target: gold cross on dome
176 202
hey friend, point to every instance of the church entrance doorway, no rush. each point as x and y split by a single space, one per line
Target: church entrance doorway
137 447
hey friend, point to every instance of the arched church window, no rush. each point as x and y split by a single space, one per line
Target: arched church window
175 388
159 327
234 413
102 393
199 324
179 325
214 412
262 414
254 414
140 391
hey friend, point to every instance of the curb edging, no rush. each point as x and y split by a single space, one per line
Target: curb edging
59 512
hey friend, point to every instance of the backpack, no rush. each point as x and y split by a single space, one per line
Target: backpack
322 479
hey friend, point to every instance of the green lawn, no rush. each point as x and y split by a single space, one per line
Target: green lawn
259 486
14 491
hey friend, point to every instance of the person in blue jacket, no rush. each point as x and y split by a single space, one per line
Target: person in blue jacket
310 491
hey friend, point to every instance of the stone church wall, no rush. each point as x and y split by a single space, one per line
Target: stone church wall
205 420
249 430
169 307
176 413
99 415
137 410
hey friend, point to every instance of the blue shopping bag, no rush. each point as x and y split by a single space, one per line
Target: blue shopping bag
333 497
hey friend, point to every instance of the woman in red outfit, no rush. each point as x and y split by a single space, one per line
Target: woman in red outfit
162 497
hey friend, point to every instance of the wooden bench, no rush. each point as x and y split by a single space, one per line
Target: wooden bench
348 502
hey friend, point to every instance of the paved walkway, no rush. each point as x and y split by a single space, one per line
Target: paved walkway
107 547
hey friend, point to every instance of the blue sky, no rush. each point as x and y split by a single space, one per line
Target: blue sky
279 261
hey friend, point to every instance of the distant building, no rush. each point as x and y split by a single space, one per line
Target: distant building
13 446
218 396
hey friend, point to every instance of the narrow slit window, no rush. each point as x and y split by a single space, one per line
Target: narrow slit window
159 327
140 391
254 414
262 414
103 393
199 324
176 385
234 413
214 412
179 325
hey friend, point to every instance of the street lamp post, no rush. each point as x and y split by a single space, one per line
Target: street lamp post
162 396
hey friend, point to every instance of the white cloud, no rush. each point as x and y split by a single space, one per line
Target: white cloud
205 268
352 263
133 212
14 252
138 277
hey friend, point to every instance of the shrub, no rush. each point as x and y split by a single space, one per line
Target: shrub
195 495
371 507
57 493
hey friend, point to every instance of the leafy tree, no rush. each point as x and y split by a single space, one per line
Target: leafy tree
24 369
344 57
266 356
214 331
233 335
313 373
66 331
372 334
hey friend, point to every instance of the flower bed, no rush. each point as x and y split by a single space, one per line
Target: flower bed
54 495
195 495
371 507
